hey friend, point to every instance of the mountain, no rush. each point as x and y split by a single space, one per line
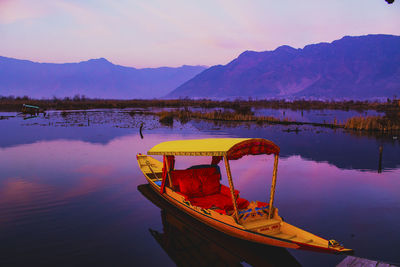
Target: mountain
95 78
362 67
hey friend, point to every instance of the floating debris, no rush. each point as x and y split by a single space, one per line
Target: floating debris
296 130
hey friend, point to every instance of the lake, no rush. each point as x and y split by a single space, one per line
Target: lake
72 194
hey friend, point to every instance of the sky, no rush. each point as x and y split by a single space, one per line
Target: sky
154 33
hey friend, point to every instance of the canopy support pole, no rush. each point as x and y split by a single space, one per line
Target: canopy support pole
167 166
272 195
228 172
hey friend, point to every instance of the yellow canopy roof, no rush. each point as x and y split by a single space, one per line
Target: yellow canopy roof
236 147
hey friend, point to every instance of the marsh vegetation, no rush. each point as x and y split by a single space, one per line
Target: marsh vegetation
235 111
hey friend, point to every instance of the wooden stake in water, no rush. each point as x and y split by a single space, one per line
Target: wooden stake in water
140 130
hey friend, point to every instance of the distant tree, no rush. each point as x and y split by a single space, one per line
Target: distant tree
77 97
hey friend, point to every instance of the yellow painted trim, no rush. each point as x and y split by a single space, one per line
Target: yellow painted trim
200 147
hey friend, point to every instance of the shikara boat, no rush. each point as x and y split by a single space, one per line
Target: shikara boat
29 109
198 192
189 242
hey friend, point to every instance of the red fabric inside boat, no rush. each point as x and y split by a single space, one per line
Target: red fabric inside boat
209 178
203 189
226 191
219 200
171 164
191 187
261 204
176 175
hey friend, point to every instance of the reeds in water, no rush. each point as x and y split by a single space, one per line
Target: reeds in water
166 118
372 123
216 115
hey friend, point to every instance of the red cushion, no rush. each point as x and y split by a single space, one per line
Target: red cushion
207 202
226 191
190 185
210 184
208 177
206 171
176 175
261 204
203 188
218 200
241 204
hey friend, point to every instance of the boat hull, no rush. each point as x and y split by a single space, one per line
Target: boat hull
236 231
227 224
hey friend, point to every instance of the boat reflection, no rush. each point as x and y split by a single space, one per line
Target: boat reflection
191 243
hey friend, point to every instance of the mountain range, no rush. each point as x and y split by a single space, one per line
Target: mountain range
362 67
95 78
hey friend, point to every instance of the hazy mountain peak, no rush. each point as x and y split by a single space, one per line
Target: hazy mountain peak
285 48
100 60
96 78
351 67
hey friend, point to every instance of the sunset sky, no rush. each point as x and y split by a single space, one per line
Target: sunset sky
153 33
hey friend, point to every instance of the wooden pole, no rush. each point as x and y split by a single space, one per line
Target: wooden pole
140 130
228 173
271 200
169 176
151 169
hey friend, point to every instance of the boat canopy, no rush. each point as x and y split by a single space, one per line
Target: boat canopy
233 148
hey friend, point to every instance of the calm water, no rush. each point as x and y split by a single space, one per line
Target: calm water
71 193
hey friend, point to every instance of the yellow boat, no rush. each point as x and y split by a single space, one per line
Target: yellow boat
198 192
184 238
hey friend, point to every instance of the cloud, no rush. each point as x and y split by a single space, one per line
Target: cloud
12 11
172 33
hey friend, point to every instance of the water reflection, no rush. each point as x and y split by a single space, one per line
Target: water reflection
346 150
65 201
191 243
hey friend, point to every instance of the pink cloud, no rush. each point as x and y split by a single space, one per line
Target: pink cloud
18 10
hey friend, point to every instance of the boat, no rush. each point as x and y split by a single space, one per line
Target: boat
198 192
29 109
187 240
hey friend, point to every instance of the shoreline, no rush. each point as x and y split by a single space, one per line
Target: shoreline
15 104
241 110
